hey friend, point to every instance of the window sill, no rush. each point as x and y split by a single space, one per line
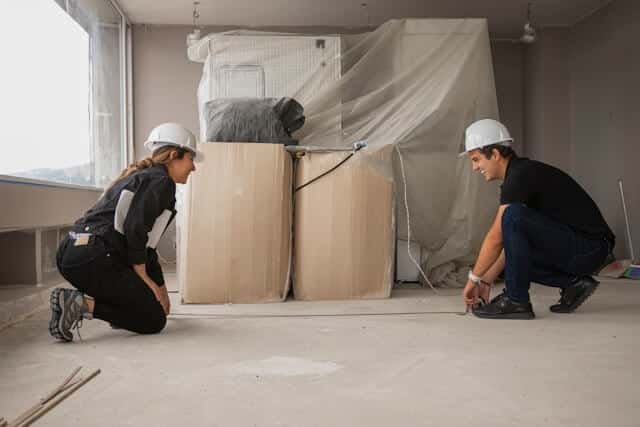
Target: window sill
7 179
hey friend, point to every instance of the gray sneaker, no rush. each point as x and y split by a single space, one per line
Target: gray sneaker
68 308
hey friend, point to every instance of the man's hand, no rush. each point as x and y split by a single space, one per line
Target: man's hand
488 258
474 291
470 293
490 261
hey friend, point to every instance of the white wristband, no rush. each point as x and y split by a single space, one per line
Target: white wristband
475 279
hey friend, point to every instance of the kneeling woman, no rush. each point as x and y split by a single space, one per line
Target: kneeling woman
109 256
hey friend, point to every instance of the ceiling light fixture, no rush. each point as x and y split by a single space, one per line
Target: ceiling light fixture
529 33
194 36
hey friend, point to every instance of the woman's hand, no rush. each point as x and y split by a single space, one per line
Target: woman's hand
164 299
159 291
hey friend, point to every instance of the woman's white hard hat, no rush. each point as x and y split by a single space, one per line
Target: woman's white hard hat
175 135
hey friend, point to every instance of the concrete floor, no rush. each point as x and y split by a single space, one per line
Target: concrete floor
329 364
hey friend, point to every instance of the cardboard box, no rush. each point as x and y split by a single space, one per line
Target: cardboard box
344 228
235 225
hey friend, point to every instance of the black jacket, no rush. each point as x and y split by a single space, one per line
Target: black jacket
132 215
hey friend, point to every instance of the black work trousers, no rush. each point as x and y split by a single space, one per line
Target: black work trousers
121 297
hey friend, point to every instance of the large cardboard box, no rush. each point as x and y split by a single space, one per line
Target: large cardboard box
344 228
235 225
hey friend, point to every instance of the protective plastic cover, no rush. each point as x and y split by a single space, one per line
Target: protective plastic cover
266 120
411 84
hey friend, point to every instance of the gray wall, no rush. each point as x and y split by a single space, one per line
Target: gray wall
165 82
508 64
533 107
546 99
581 108
604 63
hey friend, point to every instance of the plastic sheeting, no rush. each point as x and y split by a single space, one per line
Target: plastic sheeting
412 84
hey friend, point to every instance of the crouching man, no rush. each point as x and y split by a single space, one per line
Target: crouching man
551 231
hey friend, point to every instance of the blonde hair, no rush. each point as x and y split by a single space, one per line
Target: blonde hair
161 156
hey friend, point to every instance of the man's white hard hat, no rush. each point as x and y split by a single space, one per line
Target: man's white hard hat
175 135
485 132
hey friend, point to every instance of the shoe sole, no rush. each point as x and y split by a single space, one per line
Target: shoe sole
57 313
578 302
509 316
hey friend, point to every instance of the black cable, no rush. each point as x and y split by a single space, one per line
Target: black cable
325 173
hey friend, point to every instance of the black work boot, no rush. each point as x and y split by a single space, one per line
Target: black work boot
575 294
499 297
501 307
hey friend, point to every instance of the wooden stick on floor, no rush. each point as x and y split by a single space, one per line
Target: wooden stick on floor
71 384
18 421
62 386
35 408
54 402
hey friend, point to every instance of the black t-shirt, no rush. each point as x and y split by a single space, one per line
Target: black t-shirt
555 194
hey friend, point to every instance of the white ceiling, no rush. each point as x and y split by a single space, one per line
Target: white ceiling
505 16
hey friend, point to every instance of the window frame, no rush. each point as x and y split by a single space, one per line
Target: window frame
126 107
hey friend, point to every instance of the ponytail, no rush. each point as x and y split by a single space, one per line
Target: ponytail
161 156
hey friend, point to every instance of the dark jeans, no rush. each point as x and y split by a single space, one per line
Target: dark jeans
539 249
121 296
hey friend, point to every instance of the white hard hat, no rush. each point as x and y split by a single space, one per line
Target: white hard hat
172 134
485 132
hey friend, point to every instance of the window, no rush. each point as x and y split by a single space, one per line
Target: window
62 102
